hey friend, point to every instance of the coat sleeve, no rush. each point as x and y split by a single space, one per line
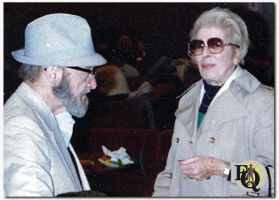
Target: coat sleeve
263 137
26 160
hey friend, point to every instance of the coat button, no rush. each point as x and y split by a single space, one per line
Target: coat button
177 140
212 140
190 142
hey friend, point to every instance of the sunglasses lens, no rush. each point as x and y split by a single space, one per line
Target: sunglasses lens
196 47
215 45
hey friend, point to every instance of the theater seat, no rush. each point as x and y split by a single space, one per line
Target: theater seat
148 147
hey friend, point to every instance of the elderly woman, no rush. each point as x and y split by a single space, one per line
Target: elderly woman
223 122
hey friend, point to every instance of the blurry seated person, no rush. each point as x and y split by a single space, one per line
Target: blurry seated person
128 70
133 55
184 66
113 85
144 60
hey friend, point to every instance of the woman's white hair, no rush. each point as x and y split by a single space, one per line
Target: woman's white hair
234 27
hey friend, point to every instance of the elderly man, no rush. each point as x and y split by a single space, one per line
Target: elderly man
57 71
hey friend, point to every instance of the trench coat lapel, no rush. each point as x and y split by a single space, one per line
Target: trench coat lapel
187 114
228 108
228 103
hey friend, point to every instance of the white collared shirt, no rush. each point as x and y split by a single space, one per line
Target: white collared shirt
66 124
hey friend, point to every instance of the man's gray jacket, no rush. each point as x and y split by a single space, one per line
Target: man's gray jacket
36 160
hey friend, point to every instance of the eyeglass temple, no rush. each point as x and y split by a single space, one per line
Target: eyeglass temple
231 44
91 71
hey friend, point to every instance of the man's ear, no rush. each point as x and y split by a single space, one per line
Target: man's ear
54 75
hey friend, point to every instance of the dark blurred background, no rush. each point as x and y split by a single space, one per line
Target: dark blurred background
164 27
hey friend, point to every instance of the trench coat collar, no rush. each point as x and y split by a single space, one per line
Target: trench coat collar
31 97
228 104
247 81
225 108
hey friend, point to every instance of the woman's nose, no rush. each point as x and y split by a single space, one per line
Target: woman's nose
206 51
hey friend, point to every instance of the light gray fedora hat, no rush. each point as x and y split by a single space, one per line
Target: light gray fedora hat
59 40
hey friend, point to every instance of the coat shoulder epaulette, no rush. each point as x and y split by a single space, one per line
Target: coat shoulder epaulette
270 88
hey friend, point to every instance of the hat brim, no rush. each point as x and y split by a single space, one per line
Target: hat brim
92 60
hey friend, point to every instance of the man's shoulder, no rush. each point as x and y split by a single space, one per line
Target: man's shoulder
14 106
19 110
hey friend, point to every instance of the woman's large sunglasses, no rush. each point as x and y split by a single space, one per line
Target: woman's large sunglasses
215 45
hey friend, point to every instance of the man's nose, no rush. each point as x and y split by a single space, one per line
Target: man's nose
92 84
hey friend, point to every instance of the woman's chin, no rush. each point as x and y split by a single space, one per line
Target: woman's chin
208 77
211 80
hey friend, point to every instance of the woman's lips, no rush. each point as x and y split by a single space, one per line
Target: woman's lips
206 66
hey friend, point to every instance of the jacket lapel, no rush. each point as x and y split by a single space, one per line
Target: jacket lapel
82 174
45 116
228 107
228 104
187 113
66 157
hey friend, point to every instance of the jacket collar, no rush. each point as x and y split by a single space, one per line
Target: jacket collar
247 81
34 100
228 104
41 111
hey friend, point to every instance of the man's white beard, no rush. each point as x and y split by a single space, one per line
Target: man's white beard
75 106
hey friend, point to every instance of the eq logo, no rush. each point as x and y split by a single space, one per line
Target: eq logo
251 175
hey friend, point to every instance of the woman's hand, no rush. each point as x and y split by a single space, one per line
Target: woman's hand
202 167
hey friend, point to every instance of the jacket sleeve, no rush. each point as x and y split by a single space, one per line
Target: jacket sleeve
263 138
26 160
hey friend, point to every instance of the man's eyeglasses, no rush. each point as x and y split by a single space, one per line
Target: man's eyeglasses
90 71
215 45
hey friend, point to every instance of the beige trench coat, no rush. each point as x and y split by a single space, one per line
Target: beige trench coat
241 120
